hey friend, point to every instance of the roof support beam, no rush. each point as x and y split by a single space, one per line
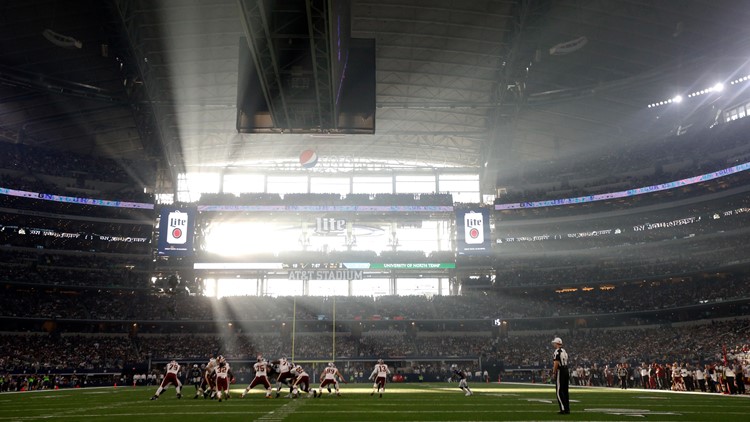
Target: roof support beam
318 27
254 15
151 114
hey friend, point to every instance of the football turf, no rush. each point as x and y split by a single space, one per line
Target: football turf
404 402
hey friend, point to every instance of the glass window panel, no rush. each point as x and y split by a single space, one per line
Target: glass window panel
197 183
283 287
378 184
370 287
445 287
415 184
236 287
241 238
329 287
432 236
244 183
466 197
454 183
339 185
287 184
417 286
209 287
165 198
377 240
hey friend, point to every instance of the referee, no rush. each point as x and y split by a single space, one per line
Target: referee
561 376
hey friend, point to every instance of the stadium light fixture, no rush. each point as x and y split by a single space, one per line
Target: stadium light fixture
739 80
717 87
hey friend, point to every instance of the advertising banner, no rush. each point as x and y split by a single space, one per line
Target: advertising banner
176 231
473 231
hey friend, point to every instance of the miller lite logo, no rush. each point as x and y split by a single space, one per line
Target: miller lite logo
473 228
177 227
328 225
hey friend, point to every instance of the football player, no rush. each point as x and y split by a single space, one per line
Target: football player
285 376
210 378
379 374
330 376
173 368
461 377
195 377
301 381
261 377
224 377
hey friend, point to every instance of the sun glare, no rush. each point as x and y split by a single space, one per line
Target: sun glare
242 238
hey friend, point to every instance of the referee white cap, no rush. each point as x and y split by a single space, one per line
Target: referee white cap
557 340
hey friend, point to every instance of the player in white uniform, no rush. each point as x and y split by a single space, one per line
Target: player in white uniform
301 382
173 368
285 373
677 382
331 375
223 377
380 375
209 378
261 377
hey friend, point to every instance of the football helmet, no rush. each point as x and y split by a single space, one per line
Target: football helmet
330 364
380 361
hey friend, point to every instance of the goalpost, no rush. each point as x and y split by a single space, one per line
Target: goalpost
312 364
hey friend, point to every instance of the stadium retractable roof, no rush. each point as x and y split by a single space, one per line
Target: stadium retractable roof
459 83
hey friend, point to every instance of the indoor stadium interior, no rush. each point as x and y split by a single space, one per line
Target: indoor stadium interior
440 184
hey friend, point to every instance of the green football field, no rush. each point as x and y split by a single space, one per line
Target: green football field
406 402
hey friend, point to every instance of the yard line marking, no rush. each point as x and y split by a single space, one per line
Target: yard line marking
280 413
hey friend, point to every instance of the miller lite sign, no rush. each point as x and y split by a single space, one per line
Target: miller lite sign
473 228
176 228
473 231
329 225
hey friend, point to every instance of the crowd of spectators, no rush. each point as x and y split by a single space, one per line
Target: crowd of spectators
692 191
55 233
37 353
696 343
25 301
633 228
36 160
67 209
79 269
659 259
646 163
692 343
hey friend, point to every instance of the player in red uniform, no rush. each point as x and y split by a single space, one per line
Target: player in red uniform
261 377
173 368
330 376
223 377
379 374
